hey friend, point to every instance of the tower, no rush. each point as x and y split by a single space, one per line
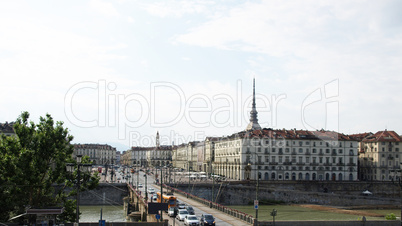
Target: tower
157 139
253 125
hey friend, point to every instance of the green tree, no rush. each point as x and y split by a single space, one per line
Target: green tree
33 169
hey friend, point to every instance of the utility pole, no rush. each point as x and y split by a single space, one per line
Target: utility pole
161 192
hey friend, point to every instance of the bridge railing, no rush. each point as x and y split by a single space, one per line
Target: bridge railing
232 212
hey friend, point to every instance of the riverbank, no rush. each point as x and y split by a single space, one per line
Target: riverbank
318 213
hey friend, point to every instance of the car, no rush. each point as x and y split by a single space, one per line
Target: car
172 211
154 196
181 205
151 190
191 220
139 185
190 210
181 214
207 219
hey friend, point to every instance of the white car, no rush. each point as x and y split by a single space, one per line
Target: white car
191 220
139 185
181 214
151 190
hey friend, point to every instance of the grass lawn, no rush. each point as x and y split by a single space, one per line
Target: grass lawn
297 213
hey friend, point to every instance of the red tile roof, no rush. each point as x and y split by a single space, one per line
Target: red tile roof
383 136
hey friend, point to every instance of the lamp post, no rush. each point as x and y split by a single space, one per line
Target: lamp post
257 171
84 168
256 191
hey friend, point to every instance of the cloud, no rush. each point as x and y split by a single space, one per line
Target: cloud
105 8
178 9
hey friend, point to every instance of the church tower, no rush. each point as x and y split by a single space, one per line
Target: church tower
253 125
157 139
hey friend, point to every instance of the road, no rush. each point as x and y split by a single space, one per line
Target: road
221 219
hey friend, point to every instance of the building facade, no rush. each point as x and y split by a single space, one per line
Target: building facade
99 154
379 156
286 155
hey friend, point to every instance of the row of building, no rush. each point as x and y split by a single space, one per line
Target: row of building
281 155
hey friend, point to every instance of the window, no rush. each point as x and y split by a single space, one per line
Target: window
300 150
327 150
340 151
307 143
273 150
294 159
280 159
273 158
307 159
314 150
300 159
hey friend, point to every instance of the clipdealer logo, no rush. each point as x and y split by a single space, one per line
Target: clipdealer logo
233 110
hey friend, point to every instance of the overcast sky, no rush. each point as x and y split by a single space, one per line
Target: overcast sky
117 72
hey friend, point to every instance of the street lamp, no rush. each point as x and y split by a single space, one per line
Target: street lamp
257 171
80 167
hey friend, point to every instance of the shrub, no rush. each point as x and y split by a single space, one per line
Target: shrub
390 216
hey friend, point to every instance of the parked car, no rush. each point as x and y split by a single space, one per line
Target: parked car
181 214
191 220
139 185
172 211
154 196
190 210
207 219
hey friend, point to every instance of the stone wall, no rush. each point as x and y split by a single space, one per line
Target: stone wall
105 194
300 192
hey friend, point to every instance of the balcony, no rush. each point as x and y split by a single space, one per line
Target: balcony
280 153
314 164
287 163
273 163
327 164
321 153
300 163
308 153
333 154
351 164
294 153
340 164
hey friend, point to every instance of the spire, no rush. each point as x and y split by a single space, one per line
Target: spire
253 125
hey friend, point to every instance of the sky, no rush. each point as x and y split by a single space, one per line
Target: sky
116 72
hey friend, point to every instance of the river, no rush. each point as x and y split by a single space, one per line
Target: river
109 213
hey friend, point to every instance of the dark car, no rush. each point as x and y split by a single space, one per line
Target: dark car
207 219
190 210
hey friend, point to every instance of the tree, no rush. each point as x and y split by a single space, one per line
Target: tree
33 169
